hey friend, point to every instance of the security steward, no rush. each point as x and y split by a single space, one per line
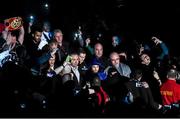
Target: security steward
170 93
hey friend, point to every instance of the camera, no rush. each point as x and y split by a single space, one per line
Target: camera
139 84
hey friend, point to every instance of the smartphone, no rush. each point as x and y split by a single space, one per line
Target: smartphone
68 58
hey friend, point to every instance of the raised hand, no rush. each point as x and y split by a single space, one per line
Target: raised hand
87 41
156 40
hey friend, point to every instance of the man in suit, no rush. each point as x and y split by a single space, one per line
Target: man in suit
72 86
72 69
63 46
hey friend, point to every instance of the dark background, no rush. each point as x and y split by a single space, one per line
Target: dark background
139 19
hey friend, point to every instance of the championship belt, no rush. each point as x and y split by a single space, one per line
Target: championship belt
13 23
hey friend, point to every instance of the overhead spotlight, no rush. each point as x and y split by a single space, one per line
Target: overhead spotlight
31 17
46 5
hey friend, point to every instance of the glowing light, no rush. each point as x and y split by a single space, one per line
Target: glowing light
31 17
46 5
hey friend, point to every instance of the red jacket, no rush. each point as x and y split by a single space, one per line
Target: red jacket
170 92
102 97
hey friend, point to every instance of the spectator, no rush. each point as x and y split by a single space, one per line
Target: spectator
46 35
63 46
82 63
150 76
170 90
114 85
170 93
72 69
139 95
98 98
12 48
121 68
98 55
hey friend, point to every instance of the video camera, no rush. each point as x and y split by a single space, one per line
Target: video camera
139 84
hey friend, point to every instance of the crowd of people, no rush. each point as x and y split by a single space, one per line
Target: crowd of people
43 73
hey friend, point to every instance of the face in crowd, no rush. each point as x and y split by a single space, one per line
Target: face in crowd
46 26
53 45
98 50
37 36
115 59
82 57
145 59
74 60
95 68
58 36
115 41
52 61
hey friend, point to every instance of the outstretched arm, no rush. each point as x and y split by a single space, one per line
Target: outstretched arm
163 46
87 41
21 35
